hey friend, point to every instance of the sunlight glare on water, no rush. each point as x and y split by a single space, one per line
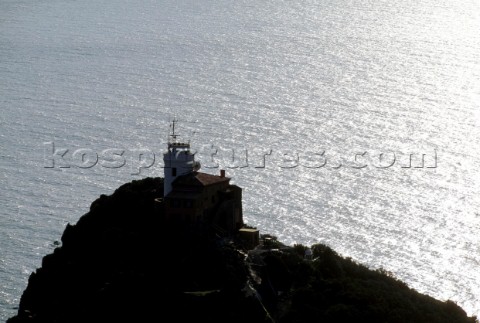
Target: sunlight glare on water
295 78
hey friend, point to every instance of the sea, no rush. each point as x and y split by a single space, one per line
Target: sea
355 124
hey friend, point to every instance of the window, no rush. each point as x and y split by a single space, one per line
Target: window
174 171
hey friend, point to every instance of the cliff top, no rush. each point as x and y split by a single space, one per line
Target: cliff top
120 262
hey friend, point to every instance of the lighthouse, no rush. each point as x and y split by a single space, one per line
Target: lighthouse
199 199
178 160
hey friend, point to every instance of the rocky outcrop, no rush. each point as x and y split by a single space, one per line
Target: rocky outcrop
121 262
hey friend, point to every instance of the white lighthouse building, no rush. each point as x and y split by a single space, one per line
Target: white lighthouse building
178 160
200 199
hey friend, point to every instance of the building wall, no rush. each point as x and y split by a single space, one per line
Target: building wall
183 209
250 237
177 162
219 203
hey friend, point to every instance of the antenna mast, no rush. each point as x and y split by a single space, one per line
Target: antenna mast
173 136
172 140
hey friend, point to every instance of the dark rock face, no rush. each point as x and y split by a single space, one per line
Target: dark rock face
120 262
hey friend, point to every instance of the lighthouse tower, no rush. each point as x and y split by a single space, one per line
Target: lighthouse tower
178 160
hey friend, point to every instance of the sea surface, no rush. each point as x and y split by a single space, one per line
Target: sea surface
350 123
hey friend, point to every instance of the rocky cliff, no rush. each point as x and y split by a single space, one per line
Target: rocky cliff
121 262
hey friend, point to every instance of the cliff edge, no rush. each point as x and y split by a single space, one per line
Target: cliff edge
122 262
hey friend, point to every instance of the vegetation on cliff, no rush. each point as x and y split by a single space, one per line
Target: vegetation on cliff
120 262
